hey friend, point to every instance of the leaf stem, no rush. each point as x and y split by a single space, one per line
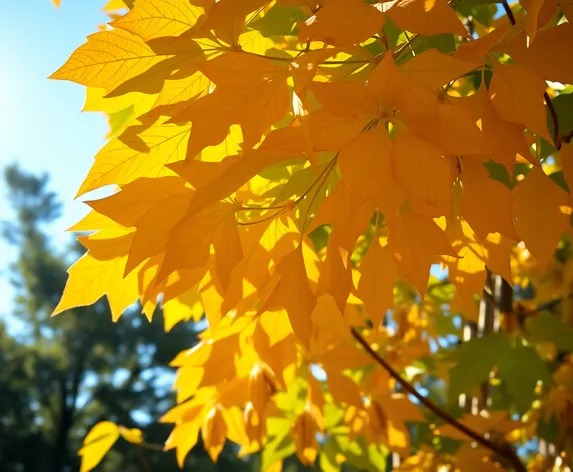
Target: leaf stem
506 452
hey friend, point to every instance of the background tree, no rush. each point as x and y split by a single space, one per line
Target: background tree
61 375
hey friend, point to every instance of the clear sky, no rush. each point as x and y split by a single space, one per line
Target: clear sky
41 127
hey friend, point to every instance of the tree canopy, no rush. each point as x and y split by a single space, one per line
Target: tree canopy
345 190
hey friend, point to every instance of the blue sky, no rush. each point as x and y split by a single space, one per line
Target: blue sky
41 127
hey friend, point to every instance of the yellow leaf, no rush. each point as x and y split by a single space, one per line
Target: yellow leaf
132 435
477 49
365 163
293 294
436 69
115 58
187 85
140 151
507 140
485 203
187 238
185 307
214 432
376 285
416 242
427 17
97 443
57 3
422 171
543 54
151 19
304 431
113 5
100 272
183 438
250 91
342 23
538 216
516 93
227 17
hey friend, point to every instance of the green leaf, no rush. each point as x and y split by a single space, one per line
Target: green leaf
374 460
475 360
563 105
558 178
547 327
327 459
281 445
279 21
297 184
118 119
520 369
499 172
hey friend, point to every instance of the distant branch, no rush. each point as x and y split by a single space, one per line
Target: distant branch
503 451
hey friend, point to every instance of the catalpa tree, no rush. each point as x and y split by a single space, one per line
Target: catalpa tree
344 189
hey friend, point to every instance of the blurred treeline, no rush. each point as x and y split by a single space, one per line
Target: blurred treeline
61 375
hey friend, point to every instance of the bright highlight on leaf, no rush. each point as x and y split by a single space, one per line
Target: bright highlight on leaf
337 190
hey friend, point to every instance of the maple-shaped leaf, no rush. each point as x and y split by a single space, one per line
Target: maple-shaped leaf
541 215
516 92
436 69
111 59
343 389
478 49
457 131
376 285
227 17
97 443
543 54
507 138
293 293
422 171
141 151
185 307
486 203
336 274
342 23
182 88
305 67
366 165
214 432
467 271
100 271
250 91
151 19
400 97
135 199
419 16
188 241
416 242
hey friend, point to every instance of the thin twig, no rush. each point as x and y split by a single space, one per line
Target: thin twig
143 459
508 12
505 452
555 119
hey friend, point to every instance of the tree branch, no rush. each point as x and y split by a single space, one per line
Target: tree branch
508 12
505 452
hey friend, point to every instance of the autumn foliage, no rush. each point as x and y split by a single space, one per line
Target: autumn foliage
331 183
